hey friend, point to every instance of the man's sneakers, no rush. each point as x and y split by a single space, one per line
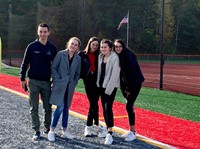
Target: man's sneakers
51 136
129 136
36 136
67 134
102 132
87 131
108 139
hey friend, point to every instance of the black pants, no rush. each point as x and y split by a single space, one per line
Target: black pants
107 104
92 92
130 102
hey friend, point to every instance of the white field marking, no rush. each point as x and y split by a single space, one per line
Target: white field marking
117 129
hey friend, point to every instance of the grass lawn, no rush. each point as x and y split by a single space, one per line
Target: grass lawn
170 103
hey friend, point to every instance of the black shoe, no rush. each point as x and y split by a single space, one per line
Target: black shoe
36 136
46 130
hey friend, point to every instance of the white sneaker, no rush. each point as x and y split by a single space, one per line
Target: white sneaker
67 134
102 132
108 139
129 136
51 136
87 132
125 134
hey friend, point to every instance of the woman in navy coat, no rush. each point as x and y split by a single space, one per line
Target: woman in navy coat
65 70
89 66
131 79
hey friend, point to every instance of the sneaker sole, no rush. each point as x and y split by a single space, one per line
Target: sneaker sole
103 136
108 143
130 140
52 140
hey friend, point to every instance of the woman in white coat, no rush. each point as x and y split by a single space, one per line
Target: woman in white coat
65 69
108 81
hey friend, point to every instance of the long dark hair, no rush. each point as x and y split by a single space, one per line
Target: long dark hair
124 47
87 48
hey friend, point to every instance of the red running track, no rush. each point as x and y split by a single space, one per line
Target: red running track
184 78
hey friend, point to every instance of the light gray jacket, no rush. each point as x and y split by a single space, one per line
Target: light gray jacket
64 75
112 74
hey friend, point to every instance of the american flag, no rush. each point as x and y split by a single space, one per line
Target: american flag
123 21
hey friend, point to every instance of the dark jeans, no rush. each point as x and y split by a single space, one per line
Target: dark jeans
130 103
92 92
62 109
107 104
36 88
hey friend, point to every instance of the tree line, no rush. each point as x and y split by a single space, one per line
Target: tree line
86 18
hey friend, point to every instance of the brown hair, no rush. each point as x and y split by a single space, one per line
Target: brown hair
87 48
44 25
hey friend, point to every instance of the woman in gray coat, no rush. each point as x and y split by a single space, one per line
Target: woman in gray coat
65 69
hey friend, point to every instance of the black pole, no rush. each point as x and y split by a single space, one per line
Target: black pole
161 45
10 25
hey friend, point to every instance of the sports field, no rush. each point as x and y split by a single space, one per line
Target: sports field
181 77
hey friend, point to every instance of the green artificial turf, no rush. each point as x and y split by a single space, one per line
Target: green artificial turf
10 70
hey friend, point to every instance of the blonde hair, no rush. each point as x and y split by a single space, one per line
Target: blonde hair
73 38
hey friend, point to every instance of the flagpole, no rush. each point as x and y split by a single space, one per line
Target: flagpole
127 36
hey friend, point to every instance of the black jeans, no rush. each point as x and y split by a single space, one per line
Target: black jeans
92 92
130 102
107 104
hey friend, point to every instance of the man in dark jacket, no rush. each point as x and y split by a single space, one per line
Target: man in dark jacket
38 58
